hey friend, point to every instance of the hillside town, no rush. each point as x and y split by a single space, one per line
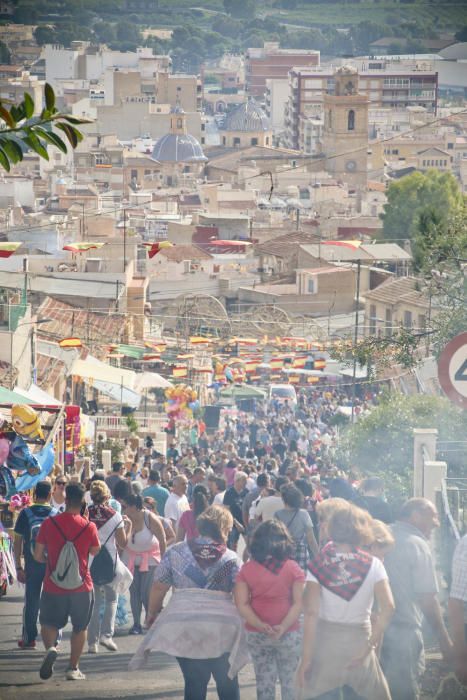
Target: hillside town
233 352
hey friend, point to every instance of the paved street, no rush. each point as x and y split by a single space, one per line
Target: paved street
107 675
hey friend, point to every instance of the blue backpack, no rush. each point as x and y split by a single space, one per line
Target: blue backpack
34 522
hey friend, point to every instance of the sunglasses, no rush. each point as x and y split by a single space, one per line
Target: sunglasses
60 483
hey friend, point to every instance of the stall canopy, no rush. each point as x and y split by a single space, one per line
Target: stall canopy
38 396
151 380
126 397
92 369
242 392
11 397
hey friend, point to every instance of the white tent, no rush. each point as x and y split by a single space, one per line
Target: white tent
93 369
39 396
151 380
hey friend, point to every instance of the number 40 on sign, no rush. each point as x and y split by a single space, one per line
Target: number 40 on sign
452 370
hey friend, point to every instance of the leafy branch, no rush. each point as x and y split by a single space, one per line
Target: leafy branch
401 348
23 132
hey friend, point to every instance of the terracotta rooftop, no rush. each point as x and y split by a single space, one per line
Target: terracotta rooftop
184 252
398 290
70 321
281 246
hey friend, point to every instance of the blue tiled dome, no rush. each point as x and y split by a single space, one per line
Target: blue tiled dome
178 148
247 117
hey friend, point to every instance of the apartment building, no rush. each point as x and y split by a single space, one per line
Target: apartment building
272 62
390 84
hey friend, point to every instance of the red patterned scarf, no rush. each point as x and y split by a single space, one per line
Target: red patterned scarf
206 553
100 514
341 573
273 565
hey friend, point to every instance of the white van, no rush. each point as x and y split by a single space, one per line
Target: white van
283 393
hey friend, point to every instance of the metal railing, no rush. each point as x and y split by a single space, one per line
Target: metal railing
452 509
146 424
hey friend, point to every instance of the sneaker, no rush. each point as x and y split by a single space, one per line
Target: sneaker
93 649
47 666
136 629
74 674
26 645
109 643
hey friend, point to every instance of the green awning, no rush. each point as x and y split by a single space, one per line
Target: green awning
242 392
132 351
7 397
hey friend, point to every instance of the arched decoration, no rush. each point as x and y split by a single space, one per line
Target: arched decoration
351 120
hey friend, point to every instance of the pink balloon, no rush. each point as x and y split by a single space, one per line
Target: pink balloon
4 450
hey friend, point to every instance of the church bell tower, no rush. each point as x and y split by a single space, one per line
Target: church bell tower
345 134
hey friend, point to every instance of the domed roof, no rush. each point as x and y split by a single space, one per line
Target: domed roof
247 117
178 148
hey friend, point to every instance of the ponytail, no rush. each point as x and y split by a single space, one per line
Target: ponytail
200 499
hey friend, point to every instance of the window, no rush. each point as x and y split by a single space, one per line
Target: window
388 323
147 172
267 140
236 141
351 120
223 141
179 123
134 174
373 319
312 285
254 142
421 322
407 319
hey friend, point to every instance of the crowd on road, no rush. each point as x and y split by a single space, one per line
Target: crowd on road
244 544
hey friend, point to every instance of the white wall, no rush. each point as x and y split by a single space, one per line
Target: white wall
279 94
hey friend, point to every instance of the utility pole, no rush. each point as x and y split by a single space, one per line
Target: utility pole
354 372
124 240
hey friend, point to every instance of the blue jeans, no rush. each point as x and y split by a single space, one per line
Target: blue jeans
197 674
34 576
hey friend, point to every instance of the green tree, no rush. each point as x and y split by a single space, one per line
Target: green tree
364 33
22 131
414 194
25 13
240 8
461 35
5 56
105 32
382 442
44 34
127 32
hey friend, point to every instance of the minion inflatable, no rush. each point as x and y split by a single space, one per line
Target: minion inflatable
26 422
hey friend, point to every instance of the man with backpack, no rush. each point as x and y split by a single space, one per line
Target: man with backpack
68 539
32 575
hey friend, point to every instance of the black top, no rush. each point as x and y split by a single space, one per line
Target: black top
27 525
234 501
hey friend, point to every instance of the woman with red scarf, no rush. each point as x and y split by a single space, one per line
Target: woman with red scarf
200 625
339 642
268 595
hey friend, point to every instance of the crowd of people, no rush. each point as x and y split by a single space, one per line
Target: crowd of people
246 544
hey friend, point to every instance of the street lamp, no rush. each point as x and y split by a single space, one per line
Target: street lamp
26 323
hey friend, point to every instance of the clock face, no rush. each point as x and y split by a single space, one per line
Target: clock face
351 166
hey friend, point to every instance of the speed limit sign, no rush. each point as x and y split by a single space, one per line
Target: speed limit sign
452 370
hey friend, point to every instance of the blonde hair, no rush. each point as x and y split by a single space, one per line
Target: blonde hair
215 522
326 508
99 491
350 525
382 535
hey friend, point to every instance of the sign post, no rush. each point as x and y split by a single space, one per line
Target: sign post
452 370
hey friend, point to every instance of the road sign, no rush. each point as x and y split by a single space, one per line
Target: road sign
452 370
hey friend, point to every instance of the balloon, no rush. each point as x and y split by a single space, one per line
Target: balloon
4 450
26 422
